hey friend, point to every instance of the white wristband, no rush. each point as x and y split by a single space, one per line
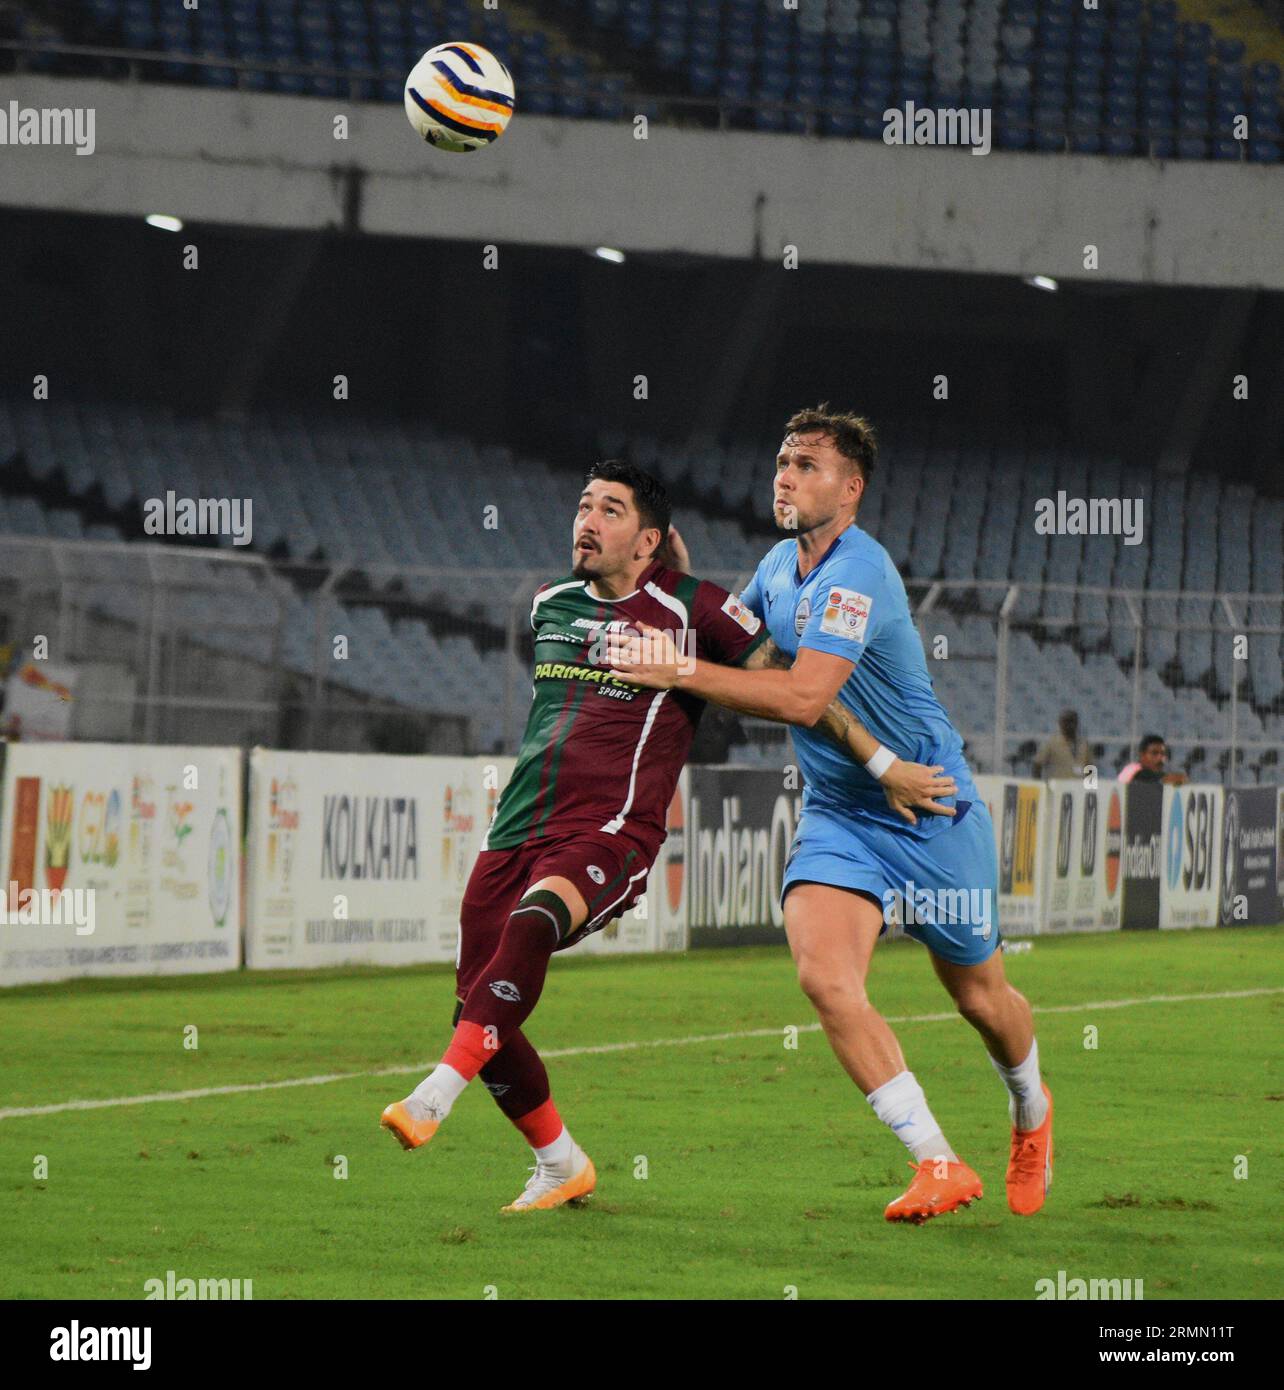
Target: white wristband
880 762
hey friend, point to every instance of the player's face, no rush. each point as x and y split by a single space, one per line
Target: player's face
1154 757
814 483
608 535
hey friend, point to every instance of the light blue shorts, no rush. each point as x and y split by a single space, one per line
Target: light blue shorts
947 883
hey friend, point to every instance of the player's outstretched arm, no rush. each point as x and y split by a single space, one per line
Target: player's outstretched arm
802 692
906 785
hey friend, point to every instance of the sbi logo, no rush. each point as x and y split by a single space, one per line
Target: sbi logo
1190 841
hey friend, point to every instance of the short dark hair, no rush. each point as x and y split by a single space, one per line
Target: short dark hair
1148 740
853 435
649 494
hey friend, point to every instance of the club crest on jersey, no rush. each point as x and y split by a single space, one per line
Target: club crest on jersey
596 874
846 613
801 615
733 608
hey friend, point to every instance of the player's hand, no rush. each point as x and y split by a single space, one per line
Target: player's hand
646 657
672 553
911 786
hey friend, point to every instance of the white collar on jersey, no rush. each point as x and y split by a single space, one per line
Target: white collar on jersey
644 579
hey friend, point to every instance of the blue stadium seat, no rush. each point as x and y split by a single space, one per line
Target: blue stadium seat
1130 62
571 102
703 78
839 123
1085 141
608 102
138 33
670 53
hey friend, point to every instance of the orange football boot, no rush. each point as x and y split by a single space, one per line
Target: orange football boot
1030 1166
411 1133
547 1188
929 1195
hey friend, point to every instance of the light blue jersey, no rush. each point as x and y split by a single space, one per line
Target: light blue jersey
853 605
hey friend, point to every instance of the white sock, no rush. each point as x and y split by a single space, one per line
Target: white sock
559 1152
1027 1105
437 1092
901 1105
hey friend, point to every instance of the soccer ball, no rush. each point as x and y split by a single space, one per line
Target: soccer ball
459 97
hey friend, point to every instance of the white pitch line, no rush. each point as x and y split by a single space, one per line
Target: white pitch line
20 1112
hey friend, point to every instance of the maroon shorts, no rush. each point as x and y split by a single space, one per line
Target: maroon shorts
610 876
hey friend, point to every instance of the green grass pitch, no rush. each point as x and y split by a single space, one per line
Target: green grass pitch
765 1170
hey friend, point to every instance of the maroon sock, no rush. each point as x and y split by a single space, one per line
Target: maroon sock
508 987
515 1076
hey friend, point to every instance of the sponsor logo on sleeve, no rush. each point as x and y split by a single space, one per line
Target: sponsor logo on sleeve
846 614
733 608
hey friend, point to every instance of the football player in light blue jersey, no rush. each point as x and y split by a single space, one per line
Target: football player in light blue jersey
848 669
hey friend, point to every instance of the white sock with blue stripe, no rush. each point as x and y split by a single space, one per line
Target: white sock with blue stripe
902 1107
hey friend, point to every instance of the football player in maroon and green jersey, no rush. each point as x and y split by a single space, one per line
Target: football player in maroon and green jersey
582 818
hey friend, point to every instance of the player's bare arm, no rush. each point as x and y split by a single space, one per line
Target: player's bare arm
769 686
906 785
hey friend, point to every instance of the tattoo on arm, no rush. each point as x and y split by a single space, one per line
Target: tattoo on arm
767 655
838 722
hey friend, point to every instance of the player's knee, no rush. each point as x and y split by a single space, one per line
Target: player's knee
981 1007
544 911
830 994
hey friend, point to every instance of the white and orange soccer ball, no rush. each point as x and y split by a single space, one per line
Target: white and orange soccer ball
459 97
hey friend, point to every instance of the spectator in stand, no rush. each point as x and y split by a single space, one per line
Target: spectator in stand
1065 754
1152 759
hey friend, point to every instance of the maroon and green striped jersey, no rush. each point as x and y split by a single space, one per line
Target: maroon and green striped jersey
600 755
